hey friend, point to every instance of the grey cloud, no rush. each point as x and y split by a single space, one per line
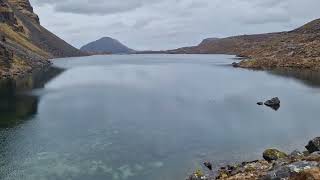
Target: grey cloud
268 3
144 22
197 4
98 7
271 18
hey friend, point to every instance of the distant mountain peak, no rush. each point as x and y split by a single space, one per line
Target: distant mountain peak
106 45
106 38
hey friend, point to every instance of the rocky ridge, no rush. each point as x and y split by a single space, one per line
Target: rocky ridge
293 49
24 44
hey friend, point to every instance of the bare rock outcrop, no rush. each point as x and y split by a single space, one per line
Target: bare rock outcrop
25 7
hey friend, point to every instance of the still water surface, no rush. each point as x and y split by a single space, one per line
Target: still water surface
144 117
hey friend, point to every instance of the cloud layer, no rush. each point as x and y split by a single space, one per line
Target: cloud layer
154 24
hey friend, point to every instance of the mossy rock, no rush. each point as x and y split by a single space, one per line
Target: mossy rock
273 155
199 173
223 175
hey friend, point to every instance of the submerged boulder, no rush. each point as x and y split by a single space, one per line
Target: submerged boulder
273 155
313 145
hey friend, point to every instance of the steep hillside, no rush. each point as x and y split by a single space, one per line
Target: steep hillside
25 45
298 48
106 45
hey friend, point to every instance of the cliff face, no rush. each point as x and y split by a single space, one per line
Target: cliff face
298 48
6 57
7 15
25 7
24 44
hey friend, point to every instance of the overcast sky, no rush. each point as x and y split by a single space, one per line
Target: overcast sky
166 24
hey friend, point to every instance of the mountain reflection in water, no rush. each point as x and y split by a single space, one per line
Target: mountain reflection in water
16 104
310 78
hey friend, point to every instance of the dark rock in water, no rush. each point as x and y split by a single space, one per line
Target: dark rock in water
273 155
273 102
208 165
260 103
236 65
276 108
313 145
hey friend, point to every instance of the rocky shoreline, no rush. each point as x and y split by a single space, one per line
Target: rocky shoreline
276 165
272 63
